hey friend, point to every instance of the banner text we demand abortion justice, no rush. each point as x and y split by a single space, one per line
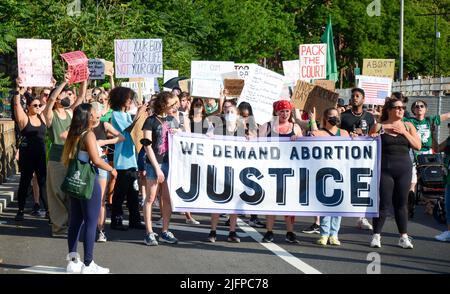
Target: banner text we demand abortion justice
313 176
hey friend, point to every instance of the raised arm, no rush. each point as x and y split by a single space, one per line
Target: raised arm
21 116
81 96
48 111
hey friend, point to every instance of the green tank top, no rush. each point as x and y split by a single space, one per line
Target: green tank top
58 126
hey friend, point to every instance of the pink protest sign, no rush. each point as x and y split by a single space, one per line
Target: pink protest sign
77 66
313 62
34 60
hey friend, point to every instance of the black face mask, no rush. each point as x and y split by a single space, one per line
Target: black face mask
334 121
65 102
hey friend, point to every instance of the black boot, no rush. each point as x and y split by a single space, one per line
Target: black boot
116 224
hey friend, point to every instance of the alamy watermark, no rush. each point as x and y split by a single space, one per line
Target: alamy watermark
374 267
74 8
374 8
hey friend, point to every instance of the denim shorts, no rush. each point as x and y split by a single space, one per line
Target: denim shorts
151 173
142 156
103 174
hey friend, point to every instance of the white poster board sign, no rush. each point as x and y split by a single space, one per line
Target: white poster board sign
138 58
34 62
211 70
313 62
206 88
96 69
291 69
375 88
261 89
244 70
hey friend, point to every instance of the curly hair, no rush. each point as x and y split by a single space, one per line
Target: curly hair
162 102
119 96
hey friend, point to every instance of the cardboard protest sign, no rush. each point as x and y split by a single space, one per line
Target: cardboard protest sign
327 84
211 70
291 69
34 62
233 87
375 88
109 67
96 69
185 85
313 61
244 70
77 66
138 58
306 96
262 89
384 68
206 88
169 74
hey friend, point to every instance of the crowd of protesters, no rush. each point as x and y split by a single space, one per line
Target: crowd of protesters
127 140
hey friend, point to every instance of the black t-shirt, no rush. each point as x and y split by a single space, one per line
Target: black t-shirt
160 126
353 123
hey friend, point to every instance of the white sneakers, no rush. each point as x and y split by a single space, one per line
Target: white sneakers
95 269
376 241
403 242
192 221
443 237
364 224
75 266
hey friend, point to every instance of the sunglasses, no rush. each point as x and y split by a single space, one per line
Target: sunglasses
399 107
419 106
45 94
36 105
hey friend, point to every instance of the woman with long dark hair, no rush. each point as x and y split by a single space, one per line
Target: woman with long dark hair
81 138
32 148
397 137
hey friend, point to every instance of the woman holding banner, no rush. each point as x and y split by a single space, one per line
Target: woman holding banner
397 137
330 225
282 126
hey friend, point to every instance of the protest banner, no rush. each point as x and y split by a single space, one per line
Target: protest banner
233 87
169 74
262 89
138 58
244 70
77 66
291 69
206 88
327 84
306 96
96 69
334 176
34 62
375 88
313 61
383 68
211 70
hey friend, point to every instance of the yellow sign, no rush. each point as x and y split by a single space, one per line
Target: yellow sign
379 68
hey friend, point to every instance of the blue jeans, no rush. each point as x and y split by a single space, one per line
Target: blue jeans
330 225
447 203
151 173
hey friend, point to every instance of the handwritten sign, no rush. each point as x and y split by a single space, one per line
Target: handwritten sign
384 68
306 96
77 66
109 67
96 69
211 70
262 89
244 69
313 61
233 87
291 69
327 84
34 62
206 88
138 58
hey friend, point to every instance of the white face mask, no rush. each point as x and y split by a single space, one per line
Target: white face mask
231 117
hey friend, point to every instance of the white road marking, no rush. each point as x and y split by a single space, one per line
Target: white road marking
277 250
43 269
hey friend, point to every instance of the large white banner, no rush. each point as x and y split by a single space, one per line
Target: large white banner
261 90
313 176
34 62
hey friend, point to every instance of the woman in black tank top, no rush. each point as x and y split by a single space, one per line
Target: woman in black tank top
199 124
32 157
397 137
282 125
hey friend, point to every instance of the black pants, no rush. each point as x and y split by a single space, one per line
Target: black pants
396 172
32 160
126 186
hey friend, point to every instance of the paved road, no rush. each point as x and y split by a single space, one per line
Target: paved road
27 247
